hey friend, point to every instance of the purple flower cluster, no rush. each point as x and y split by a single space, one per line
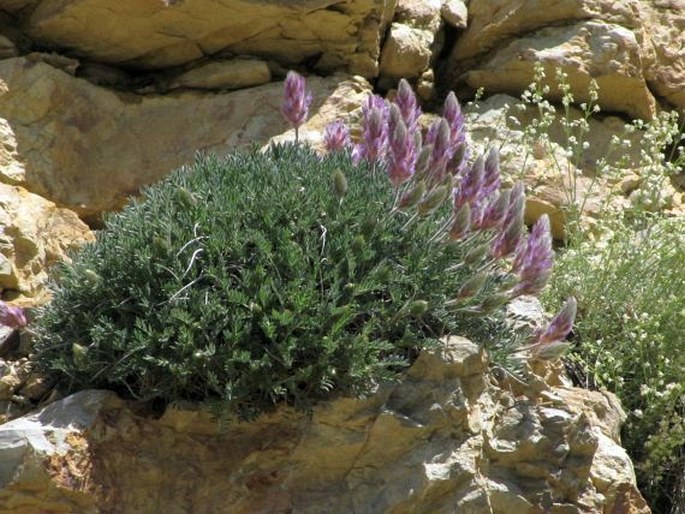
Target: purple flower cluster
11 316
533 259
296 101
336 136
425 170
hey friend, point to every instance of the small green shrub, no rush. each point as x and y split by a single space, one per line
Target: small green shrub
252 280
631 330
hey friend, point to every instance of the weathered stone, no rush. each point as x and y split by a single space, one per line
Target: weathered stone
35 235
36 386
165 33
7 48
89 149
525 312
607 53
411 447
422 14
11 380
13 6
51 449
495 21
536 208
224 75
455 13
407 52
662 37
641 42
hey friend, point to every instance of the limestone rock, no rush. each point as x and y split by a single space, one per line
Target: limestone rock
495 21
7 48
589 50
443 439
161 34
455 13
50 447
423 14
664 49
89 149
236 74
638 50
407 52
35 235
13 6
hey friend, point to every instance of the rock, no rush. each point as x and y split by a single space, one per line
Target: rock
607 53
103 75
629 45
422 14
13 6
425 86
12 378
537 207
7 48
156 35
526 312
443 439
495 21
414 40
36 387
89 149
663 45
35 235
455 13
51 448
406 53
629 183
224 75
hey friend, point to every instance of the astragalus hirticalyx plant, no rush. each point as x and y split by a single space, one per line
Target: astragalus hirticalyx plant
286 276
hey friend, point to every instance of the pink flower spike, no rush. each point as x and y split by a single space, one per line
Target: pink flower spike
336 136
533 261
408 105
402 155
561 324
296 100
11 316
375 114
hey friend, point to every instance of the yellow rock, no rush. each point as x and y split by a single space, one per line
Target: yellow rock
159 34
35 235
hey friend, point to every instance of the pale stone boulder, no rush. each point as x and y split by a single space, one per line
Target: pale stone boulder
455 13
493 22
89 148
423 14
643 45
224 75
51 447
607 53
159 34
663 37
407 52
13 6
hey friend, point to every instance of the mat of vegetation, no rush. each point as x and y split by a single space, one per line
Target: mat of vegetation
255 279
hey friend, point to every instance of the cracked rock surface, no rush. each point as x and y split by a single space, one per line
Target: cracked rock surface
444 439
